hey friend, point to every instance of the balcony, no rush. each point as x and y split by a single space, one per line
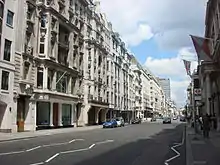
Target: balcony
95 101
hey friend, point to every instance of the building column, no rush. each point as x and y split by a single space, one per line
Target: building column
33 114
208 93
60 115
51 114
73 114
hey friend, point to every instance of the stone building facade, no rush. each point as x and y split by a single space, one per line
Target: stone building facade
69 68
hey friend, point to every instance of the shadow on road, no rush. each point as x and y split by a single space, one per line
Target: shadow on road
150 151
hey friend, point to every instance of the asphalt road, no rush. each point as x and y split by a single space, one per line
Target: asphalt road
144 144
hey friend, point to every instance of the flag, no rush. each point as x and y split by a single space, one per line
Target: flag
187 65
202 47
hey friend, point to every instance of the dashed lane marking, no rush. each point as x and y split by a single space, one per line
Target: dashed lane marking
72 151
52 157
42 146
15 140
38 163
10 153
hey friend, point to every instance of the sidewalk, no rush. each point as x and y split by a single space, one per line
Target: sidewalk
26 135
202 151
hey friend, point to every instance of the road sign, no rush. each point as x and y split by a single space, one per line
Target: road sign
197 91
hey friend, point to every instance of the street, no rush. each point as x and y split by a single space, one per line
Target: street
141 144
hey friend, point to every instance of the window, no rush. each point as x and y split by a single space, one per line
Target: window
40 78
10 17
26 70
7 50
41 48
1 10
73 84
50 79
62 82
5 80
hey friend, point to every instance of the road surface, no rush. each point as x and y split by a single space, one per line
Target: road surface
141 144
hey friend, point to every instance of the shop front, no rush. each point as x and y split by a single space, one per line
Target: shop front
66 115
50 115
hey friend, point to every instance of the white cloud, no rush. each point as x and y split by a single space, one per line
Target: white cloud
174 69
143 33
171 20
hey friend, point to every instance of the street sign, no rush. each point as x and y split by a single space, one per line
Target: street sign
197 91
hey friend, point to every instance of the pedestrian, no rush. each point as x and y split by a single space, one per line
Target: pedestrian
200 123
206 125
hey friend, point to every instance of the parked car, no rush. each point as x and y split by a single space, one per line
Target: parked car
120 122
166 120
110 123
136 121
153 119
175 118
182 118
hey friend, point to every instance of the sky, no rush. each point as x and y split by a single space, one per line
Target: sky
157 33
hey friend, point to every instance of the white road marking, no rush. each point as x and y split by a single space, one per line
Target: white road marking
35 148
72 141
31 149
173 149
10 153
11 141
80 139
72 151
106 141
52 157
37 163
90 147
54 144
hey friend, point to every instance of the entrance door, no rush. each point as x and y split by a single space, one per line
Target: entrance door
21 113
55 114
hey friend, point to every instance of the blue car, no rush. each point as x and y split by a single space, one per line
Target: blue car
110 123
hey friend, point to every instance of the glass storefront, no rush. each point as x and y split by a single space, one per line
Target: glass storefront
66 114
43 113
